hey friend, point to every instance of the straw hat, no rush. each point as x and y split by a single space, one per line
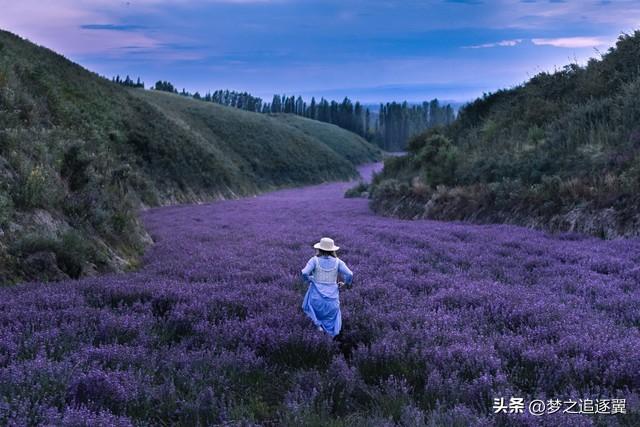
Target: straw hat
326 244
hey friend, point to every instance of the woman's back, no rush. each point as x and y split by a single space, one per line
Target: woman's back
323 272
326 270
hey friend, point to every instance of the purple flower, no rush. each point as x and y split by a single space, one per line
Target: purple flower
442 318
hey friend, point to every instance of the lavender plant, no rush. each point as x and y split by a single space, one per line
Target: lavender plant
442 318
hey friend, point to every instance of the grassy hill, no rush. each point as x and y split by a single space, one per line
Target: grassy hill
333 136
269 150
79 155
559 152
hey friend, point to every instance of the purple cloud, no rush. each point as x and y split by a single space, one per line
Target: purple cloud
112 27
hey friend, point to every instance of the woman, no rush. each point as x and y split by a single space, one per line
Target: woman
321 302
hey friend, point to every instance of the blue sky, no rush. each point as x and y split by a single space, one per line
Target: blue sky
371 51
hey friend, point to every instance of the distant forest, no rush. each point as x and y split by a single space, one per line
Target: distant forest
390 127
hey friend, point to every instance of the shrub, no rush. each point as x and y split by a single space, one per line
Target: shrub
74 167
357 191
535 134
34 242
6 208
396 198
36 189
391 187
417 142
72 249
438 160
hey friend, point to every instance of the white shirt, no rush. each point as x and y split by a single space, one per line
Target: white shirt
329 290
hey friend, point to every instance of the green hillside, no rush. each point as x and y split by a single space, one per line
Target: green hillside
333 136
559 152
79 155
270 150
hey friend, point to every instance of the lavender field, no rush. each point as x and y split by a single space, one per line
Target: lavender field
442 319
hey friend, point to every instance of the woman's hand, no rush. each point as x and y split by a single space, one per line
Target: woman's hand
340 285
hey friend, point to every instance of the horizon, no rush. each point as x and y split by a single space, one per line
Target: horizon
373 52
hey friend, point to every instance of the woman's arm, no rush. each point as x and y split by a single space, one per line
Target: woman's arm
346 273
306 271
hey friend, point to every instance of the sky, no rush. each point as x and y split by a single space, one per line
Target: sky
369 50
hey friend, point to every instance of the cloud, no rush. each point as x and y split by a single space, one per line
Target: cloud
563 42
502 43
572 42
104 29
112 27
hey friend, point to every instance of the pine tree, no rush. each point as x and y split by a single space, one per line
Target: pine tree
300 106
367 123
276 104
313 114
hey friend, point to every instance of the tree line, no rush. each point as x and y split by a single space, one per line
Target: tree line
398 122
390 127
128 82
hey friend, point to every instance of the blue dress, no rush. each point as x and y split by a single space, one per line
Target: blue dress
321 302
